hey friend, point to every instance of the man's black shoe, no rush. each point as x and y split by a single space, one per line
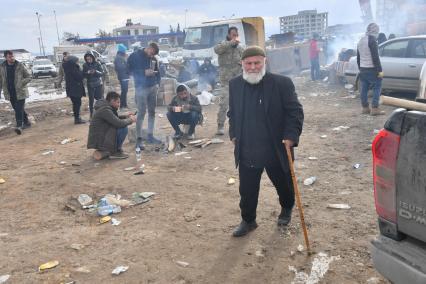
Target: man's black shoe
26 125
18 130
178 135
139 144
79 121
244 228
285 217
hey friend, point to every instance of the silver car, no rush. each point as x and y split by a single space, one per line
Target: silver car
402 60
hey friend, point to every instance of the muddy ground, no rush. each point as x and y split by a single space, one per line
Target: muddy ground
192 216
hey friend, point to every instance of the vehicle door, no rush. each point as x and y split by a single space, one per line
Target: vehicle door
394 64
416 58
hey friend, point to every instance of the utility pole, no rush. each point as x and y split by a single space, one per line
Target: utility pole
39 44
186 11
57 30
41 37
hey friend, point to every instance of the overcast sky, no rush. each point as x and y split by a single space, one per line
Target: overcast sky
19 28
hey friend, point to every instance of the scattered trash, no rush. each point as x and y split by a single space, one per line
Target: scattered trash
323 136
310 181
77 246
139 173
120 269
198 225
146 195
231 181
300 248
115 200
215 169
313 95
357 166
105 219
217 141
48 152
292 253
62 163
115 222
48 265
340 128
4 234
349 86
188 158
182 263
2 180
104 208
260 253
84 199
68 140
320 266
325 79
346 192
4 278
141 197
129 169
83 269
181 153
312 158
160 115
338 206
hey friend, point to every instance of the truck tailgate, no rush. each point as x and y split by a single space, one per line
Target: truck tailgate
411 176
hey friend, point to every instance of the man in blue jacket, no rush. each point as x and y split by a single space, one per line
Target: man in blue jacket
144 67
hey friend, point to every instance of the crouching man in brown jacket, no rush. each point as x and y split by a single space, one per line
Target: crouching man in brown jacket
107 130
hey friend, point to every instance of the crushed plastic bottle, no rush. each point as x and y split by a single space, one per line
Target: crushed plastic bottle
108 210
138 154
310 181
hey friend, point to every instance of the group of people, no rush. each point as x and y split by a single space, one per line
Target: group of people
265 115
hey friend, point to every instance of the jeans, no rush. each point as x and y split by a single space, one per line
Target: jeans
121 137
124 84
76 104
176 118
18 106
145 97
315 69
250 185
369 79
94 93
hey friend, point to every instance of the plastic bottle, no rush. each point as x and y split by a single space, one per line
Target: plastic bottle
310 181
138 154
108 210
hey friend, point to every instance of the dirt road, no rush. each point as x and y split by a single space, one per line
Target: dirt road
192 216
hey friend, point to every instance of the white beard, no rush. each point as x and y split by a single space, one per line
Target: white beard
254 78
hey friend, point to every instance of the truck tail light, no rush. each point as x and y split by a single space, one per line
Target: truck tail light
385 152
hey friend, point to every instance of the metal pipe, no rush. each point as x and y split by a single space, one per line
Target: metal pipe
41 37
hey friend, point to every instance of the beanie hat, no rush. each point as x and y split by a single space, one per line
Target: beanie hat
253 51
121 48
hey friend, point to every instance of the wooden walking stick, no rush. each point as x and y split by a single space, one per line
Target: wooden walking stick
298 200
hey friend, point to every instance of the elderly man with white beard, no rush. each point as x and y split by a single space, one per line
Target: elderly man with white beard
264 117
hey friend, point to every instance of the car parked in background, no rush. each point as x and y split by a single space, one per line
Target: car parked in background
43 67
402 61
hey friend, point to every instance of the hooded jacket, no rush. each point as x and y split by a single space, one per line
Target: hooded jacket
120 66
368 50
93 80
22 78
103 127
73 78
191 100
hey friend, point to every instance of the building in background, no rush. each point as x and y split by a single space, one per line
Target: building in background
305 23
135 29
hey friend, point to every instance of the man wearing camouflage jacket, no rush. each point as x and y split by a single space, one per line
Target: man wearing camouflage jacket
229 56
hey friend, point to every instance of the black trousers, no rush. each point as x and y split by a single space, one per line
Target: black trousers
76 104
124 84
94 93
18 106
250 185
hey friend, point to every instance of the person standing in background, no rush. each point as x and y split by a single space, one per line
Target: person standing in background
93 72
314 52
120 66
74 86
